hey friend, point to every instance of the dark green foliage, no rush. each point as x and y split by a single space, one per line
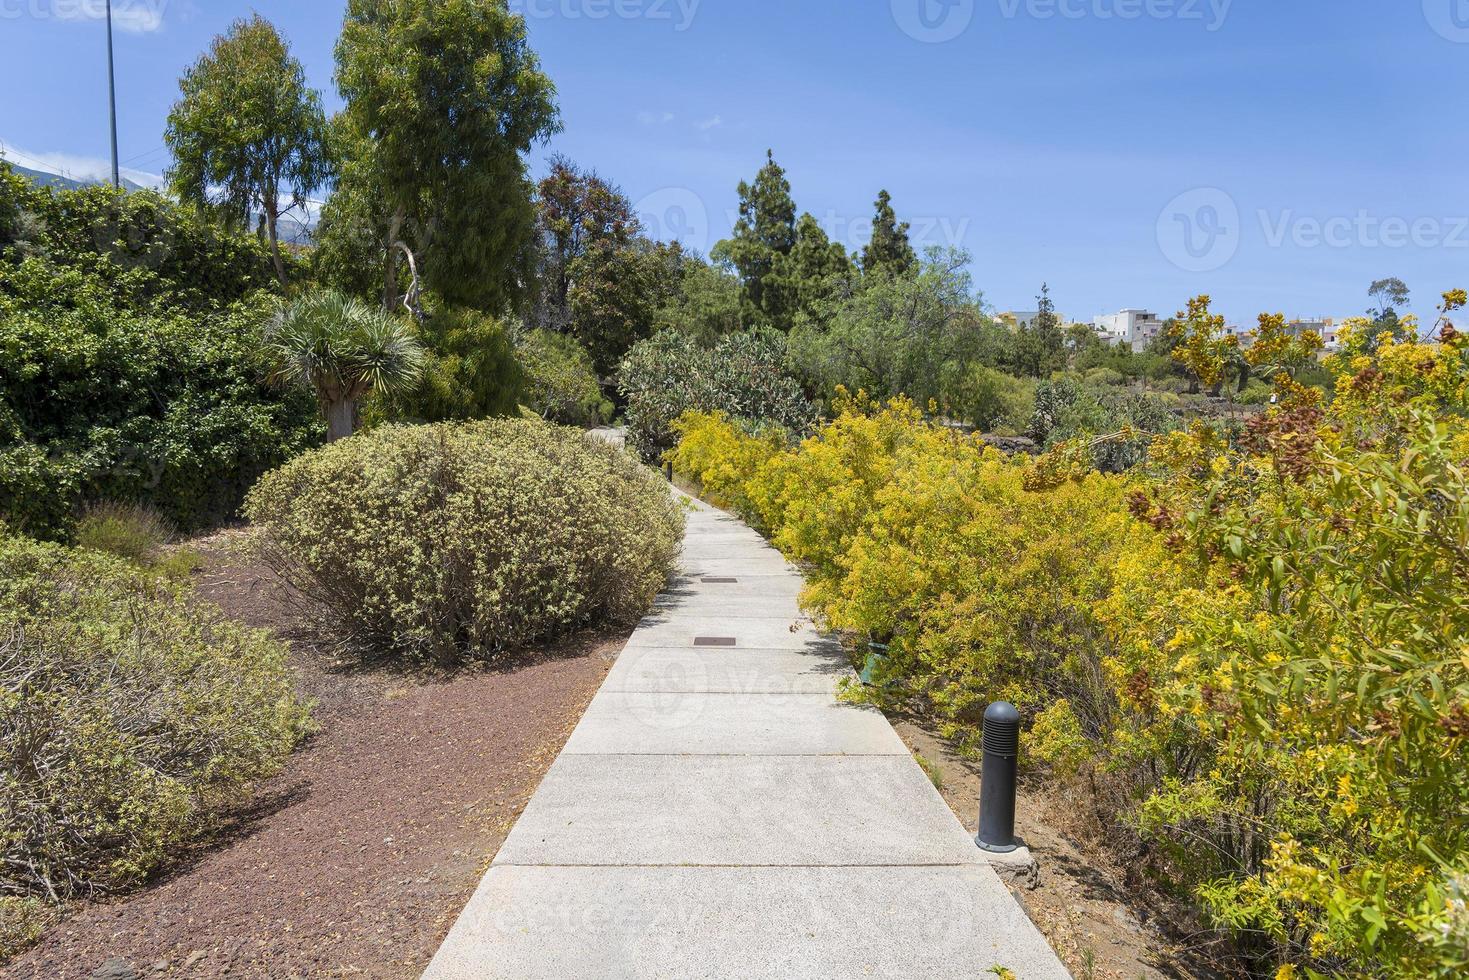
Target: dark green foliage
703 302
602 282
16 197
1040 346
765 232
444 99
560 383
101 401
914 334
889 251
112 236
470 371
815 271
743 376
1121 422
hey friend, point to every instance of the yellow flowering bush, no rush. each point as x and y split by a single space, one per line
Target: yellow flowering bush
1256 649
1322 655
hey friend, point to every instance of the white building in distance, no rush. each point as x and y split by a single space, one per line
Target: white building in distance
1137 328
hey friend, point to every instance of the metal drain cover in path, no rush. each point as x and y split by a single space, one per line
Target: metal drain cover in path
714 641
721 581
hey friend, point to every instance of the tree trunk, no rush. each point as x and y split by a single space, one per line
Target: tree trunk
341 419
271 206
390 287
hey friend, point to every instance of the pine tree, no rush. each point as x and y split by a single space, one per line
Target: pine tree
814 270
889 250
764 233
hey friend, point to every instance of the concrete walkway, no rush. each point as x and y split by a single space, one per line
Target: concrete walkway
717 813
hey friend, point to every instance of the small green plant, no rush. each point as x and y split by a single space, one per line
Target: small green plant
134 532
931 770
22 921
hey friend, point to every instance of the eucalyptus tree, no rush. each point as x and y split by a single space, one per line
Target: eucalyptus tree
248 135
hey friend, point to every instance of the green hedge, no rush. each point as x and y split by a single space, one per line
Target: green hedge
461 540
106 402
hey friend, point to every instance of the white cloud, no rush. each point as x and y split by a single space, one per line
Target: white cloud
76 167
646 118
711 123
132 16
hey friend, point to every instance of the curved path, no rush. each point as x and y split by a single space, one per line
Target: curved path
718 813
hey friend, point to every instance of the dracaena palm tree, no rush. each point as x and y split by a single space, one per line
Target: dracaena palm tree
344 349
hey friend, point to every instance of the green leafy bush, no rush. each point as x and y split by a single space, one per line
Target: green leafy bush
1119 424
458 541
742 376
991 400
470 371
100 401
147 248
561 383
131 713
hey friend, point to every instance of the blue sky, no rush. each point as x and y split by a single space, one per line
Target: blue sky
1279 155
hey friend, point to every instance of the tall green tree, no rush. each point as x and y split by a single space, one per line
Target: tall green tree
1390 294
910 335
765 232
579 213
1040 346
444 99
889 250
704 302
248 135
616 294
815 270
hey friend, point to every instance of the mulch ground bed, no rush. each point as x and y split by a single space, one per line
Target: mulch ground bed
356 860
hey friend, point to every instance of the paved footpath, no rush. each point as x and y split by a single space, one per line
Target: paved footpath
718 813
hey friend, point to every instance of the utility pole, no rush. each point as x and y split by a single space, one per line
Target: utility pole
112 98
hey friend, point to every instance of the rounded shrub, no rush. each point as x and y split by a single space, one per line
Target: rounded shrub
131 713
459 540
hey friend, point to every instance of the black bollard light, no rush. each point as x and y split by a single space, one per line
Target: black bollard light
997 780
668 471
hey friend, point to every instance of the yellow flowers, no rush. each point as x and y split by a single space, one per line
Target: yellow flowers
1264 663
